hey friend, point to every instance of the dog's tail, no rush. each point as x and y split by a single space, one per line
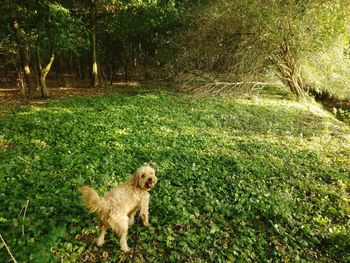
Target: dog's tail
92 200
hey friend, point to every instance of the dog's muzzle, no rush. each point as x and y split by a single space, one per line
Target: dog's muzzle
149 183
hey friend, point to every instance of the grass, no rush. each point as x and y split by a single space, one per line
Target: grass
265 179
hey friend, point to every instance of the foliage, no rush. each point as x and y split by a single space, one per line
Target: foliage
264 179
247 40
344 115
57 27
328 70
135 32
47 21
141 17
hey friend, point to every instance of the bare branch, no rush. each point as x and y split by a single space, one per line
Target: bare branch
8 250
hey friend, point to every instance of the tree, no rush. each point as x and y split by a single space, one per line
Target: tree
93 27
40 29
93 11
122 33
248 39
56 29
297 29
137 28
23 49
15 18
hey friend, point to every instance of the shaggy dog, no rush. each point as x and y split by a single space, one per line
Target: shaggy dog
118 207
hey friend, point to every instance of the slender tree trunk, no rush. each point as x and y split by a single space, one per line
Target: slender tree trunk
109 73
20 81
94 80
82 66
43 73
109 59
58 64
128 60
94 73
24 56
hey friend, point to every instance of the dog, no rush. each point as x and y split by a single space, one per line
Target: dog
116 210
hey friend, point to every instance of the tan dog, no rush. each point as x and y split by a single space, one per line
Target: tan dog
118 207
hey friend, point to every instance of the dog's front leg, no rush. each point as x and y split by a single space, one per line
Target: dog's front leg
144 210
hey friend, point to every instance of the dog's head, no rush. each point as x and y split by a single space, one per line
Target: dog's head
145 178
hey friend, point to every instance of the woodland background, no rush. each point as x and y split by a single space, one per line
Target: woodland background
226 44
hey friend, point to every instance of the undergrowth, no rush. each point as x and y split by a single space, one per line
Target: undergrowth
259 180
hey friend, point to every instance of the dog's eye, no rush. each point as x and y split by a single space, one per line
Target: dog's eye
143 176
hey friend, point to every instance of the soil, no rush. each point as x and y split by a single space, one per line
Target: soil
62 88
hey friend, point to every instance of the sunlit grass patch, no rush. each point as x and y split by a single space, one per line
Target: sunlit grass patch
254 180
4 144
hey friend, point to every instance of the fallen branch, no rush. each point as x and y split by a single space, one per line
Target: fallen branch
8 250
217 87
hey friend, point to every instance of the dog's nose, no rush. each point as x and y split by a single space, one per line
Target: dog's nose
149 180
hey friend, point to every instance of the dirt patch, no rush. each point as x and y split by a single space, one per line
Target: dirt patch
65 87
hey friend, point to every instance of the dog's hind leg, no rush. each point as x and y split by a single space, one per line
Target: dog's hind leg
101 239
120 226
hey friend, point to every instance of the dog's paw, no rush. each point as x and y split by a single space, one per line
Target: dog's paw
100 242
126 250
148 225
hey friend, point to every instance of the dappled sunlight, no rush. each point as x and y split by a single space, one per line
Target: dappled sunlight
127 84
4 144
59 110
8 89
284 105
163 131
39 143
152 96
48 110
124 131
316 144
3 95
317 110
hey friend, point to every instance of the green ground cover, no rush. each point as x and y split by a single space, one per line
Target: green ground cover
258 180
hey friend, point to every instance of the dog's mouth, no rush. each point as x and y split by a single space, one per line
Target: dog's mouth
149 184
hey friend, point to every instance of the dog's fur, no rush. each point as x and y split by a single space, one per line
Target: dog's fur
118 207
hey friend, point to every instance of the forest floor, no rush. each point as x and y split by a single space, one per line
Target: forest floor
10 97
63 86
264 178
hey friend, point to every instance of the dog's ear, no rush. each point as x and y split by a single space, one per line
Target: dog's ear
135 179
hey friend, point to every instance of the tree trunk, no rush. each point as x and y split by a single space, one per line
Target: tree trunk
43 73
20 81
94 73
288 70
44 90
109 60
24 56
128 60
58 64
126 72
82 64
